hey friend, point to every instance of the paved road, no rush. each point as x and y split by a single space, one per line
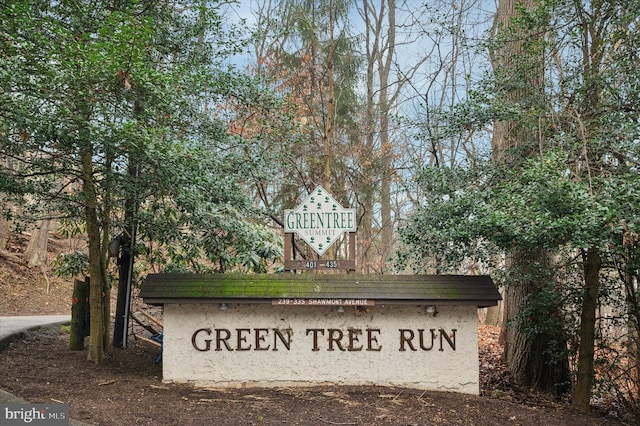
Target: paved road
12 328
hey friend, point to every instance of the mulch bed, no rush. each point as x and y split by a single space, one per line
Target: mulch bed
126 389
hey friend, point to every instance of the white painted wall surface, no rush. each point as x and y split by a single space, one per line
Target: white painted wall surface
446 370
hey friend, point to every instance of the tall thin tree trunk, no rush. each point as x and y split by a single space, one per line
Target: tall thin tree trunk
582 393
97 347
327 138
633 309
367 181
385 140
590 120
4 227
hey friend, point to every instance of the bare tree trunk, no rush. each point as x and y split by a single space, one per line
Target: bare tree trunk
97 284
4 232
327 138
365 228
633 309
495 314
385 142
535 356
582 392
36 252
366 184
4 223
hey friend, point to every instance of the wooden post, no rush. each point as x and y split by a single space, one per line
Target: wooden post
288 249
79 314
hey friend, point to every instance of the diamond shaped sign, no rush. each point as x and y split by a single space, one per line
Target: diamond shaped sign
320 220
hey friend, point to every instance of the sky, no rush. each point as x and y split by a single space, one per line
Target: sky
436 46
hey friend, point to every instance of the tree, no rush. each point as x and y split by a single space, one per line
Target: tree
518 62
597 74
304 52
376 163
560 194
87 88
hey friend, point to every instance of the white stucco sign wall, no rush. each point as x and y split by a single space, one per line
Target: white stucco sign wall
272 345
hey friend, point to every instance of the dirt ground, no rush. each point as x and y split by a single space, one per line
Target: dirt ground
127 389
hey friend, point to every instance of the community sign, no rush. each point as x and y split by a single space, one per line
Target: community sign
320 220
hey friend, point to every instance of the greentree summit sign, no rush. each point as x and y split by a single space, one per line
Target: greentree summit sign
319 220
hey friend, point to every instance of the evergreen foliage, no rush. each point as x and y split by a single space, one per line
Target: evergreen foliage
106 102
570 188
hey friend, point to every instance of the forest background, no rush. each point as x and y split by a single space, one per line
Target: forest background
472 137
